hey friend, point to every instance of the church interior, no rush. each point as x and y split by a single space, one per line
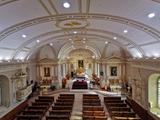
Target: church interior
79 59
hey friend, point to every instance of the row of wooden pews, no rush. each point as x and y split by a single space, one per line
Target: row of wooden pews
37 109
119 110
62 108
92 109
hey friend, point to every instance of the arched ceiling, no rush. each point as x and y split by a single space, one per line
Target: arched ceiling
93 22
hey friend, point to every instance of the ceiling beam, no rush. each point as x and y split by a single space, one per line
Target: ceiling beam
45 7
87 6
53 7
80 6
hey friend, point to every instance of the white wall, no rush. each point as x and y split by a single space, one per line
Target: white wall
152 90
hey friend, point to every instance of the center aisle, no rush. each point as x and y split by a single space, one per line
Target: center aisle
77 107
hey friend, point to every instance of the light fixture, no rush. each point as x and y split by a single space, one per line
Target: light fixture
115 38
106 42
51 44
93 56
156 55
151 15
21 58
24 36
66 5
68 57
75 32
84 38
38 41
125 31
7 58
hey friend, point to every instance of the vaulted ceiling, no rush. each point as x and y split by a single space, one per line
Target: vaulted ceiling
27 25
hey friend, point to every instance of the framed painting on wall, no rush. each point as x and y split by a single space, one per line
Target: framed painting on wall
46 72
80 63
113 71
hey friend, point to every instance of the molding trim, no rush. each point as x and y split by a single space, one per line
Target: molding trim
146 67
135 24
4 2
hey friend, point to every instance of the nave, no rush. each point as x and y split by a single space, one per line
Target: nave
77 105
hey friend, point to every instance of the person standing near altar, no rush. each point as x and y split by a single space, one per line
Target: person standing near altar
64 81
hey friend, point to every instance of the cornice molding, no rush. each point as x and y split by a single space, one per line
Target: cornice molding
4 2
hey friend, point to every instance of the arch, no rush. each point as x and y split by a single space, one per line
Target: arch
4 86
105 35
47 41
68 48
153 93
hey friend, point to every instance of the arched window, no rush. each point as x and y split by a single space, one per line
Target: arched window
158 91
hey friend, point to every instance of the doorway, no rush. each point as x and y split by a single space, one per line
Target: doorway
4 91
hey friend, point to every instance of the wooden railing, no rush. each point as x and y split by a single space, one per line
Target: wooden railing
143 113
12 114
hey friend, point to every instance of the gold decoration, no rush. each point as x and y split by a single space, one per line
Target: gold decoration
72 23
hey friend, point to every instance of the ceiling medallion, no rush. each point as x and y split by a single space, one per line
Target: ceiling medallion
72 23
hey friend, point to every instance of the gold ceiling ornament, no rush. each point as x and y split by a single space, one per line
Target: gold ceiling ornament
72 23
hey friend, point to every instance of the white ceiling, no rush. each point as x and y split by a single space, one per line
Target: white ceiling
106 19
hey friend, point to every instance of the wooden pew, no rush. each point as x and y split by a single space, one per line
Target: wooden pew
123 114
44 100
116 104
93 113
33 112
114 101
37 108
111 98
63 104
46 97
92 104
65 100
126 118
62 107
28 117
40 103
91 100
60 112
92 108
58 117
94 117
119 109
67 95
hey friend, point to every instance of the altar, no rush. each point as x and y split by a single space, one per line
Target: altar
80 81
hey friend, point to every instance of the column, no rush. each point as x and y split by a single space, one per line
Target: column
98 67
59 76
64 69
103 69
95 68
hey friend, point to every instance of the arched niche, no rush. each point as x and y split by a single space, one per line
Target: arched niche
4 89
153 93
46 52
